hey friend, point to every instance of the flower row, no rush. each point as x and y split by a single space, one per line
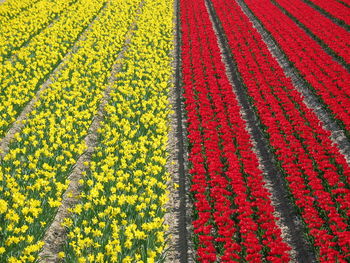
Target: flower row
16 31
21 76
334 36
33 174
316 173
328 79
234 218
335 8
121 208
11 8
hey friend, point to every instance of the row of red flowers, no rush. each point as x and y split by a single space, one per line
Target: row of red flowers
334 8
334 36
234 216
317 174
328 78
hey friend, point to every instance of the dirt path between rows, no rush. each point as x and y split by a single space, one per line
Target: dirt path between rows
179 207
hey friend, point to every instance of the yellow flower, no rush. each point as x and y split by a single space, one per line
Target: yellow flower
14 260
54 203
61 254
100 258
3 206
127 259
67 222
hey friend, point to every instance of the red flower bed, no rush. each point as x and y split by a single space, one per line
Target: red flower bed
317 174
328 78
234 216
334 36
334 8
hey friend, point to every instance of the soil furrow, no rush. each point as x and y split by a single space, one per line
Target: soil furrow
179 202
18 124
55 235
289 218
312 101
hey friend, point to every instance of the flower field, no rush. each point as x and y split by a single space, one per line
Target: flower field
174 131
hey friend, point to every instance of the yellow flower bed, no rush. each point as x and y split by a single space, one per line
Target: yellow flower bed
11 8
14 32
120 216
22 76
33 174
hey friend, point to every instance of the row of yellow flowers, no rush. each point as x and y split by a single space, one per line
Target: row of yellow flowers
33 174
120 216
21 76
11 8
16 31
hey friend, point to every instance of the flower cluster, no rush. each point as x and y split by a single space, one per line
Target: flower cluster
326 77
120 214
33 174
22 75
234 216
316 173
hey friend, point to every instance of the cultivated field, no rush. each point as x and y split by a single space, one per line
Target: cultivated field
174 131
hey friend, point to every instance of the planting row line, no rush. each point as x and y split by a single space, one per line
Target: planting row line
33 173
234 218
21 77
316 174
325 77
120 215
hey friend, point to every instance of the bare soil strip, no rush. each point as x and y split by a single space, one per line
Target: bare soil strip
337 21
290 221
328 50
18 124
55 235
179 208
312 101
